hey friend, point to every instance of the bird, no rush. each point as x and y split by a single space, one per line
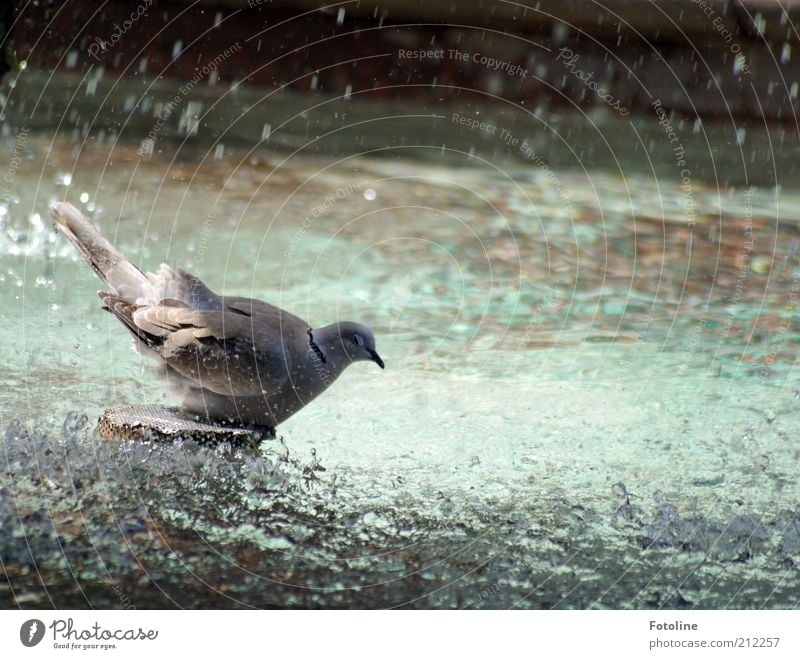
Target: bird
232 360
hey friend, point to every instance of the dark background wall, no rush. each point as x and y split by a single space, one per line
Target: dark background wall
683 51
724 73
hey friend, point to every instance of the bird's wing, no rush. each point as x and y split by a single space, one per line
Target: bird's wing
170 284
228 353
264 311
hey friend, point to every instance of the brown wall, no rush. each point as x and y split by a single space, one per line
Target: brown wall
679 51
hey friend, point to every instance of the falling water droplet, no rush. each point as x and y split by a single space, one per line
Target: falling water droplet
760 23
369 194
340 16
560 32
147 147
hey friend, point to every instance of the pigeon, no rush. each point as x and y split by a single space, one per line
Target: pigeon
231 360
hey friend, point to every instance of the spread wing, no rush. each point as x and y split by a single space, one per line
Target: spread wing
225 351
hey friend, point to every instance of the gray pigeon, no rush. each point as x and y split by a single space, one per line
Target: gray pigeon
230 359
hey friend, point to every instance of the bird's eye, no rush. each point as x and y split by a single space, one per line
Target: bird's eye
358 340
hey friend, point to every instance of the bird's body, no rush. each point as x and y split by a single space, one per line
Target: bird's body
230 359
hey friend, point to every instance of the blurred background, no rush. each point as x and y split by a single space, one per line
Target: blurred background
573 226
725 69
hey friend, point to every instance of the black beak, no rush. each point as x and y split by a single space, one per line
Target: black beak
375 357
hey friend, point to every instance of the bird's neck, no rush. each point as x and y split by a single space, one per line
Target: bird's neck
317 350
325 359
326 349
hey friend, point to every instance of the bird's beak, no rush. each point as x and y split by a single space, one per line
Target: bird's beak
375 357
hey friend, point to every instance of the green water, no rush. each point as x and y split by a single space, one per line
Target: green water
589 400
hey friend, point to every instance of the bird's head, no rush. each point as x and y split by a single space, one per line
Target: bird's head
348 342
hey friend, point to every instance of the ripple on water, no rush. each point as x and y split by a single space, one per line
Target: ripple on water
578 396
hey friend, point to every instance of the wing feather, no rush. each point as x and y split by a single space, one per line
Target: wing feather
221 351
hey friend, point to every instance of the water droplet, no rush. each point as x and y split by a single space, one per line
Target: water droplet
560 32
340 16
189 122
84 197
146 147
369 194
760 23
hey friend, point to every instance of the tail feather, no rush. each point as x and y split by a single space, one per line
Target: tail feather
124 309
128 281
111 266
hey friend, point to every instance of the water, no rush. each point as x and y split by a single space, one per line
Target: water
589 398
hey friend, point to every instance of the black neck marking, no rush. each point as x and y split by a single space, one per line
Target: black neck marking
315 347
